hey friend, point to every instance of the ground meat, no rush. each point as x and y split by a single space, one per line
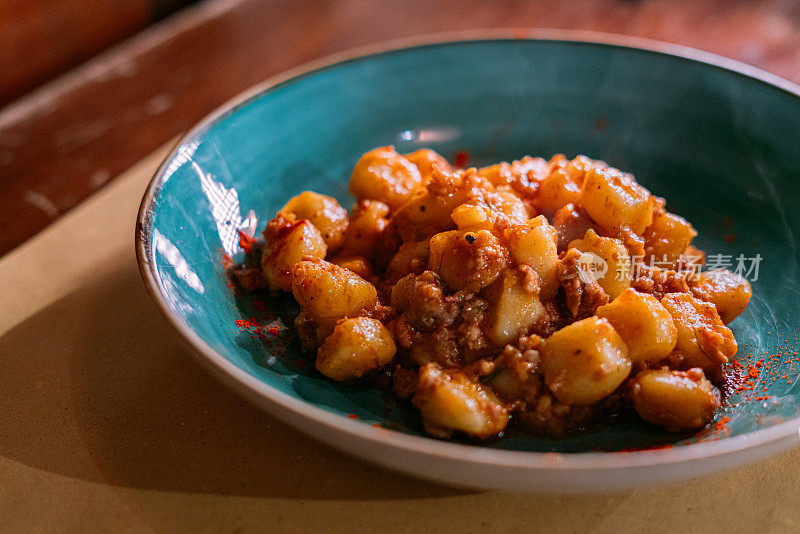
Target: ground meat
404 382
310 333
438 346
530 280
634 243
659 282
582 298
549 417
423 302
472 339
571 223
382 313
249 278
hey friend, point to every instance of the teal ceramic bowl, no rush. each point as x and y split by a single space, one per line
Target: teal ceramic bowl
716 138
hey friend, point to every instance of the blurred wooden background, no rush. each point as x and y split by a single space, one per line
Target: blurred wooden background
40 39
69 137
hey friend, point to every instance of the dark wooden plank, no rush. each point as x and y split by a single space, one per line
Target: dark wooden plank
61 143
40 39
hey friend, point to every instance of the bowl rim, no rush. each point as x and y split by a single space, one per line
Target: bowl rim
255 389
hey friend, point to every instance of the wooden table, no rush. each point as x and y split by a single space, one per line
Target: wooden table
108 426
71 137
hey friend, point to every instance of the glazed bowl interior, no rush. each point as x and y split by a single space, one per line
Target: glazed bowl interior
719 145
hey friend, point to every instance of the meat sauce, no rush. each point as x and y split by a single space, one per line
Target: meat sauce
524 292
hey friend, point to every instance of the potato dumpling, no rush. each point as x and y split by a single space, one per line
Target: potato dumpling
473 217
355 347
529 169
467 261
383 174
614 201
643 323
428 211
411 257
556 191
513 309
668 236
513 207
366 228
526 170
451 402
577 168
287 244
534 244
617 277
728 291
585 361
357 264
323 211
425 215
677 400
498 174
703 339
328 291
424 159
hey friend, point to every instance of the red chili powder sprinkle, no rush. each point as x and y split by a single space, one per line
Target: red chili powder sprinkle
462 157
752 370
244 323
377 425
720 425
246 241
226 261
353 416
257 332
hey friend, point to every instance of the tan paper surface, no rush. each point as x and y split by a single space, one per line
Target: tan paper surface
106 424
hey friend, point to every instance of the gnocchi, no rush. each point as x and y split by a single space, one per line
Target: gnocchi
287 244
534 244
643 323
355 347
515 308
505 294
384 175
616 261
324 212
614 201
449 401
585 362
328 291
677 400
703 340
